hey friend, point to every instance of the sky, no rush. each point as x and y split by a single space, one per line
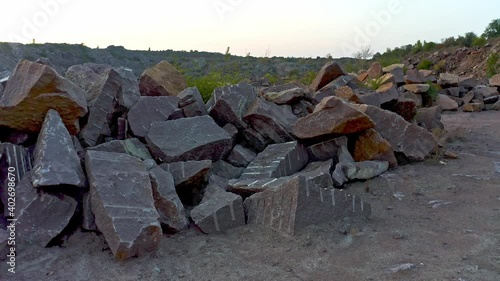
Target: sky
260 27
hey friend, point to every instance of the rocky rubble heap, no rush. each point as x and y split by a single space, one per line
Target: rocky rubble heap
130 158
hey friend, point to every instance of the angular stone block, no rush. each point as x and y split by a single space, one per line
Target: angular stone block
191 102
149 110
194 138
132 147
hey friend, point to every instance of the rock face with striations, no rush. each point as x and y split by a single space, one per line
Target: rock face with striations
162 80
332 116
129 222
56 161
195 138
32 90
407 138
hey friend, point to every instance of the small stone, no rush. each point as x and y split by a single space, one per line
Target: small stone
450 155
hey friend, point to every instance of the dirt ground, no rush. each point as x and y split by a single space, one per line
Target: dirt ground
439 219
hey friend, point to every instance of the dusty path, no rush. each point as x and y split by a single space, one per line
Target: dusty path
443 218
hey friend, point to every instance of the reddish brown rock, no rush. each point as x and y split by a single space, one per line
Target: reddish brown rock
375 71
346 93
162 80
32 90
417 88
285 96
446 103
414 77
473 107
495 80
332 116
327 74
363 77
370 145
406 108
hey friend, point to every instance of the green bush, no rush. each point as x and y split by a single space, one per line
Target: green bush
440 66
433 91
479 42
308 78
207 84
425 64
492 64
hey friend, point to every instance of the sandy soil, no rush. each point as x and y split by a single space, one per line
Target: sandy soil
441 216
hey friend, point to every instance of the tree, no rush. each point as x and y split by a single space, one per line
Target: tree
363 55
493 29
469 39
227 55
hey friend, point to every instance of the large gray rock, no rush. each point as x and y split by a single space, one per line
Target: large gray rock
149 110
132 147
219 211
228 104
333 116
12 156
430 118
191 102
40 217
122 202
56 161
277 160
87 79
194 138
407 138
189 178
167 202
270 120
388 93
295 204
367 169
327 149
446 103
448 80
288 95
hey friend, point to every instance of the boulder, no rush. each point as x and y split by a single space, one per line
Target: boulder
367 170
327 74
391 67
56 162
219 211
272 121
468 82
495 80
329 89
348 94
285 96
195 138
166 200
332 116
370 145
115 95
40 217
189 178
129 222
448 80
430 118
388 93
399 75
406 108
129 146
418 99
327 149
387 78
162 80
32 90
341 164
473 107
228 104
496 106
277 160
86 79
481 92
241 156
468 97
417 88
191 102
225 170
368 96
446 103
12 156
295 204
409 139
453 91
375 71
149 110
413 76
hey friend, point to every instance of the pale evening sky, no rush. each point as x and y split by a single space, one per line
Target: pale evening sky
287 28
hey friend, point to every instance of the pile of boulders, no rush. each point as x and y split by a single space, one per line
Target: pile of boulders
451 91
130 158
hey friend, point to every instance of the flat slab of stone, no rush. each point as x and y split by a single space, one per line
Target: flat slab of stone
295 204
148 110
248 187
417 88
228 104
473 107
219 212
56 160
162 79
277 160
122 202
413 141
194 138
446 103
270 120
333 116
32 90
285 96
41 217
167 202
131 146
